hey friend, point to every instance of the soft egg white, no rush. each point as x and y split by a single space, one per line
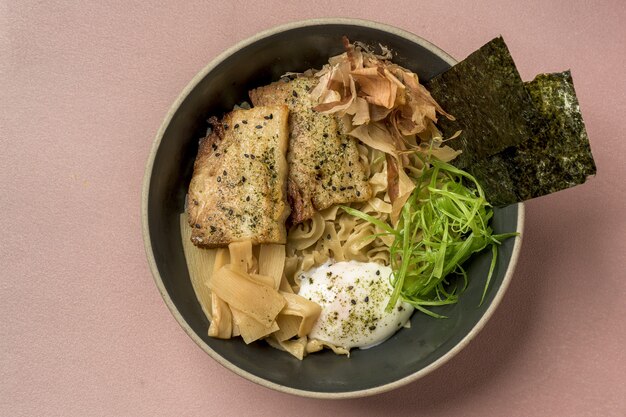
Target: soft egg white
353 296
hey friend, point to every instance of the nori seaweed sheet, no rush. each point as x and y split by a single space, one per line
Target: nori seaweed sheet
556 157
486 95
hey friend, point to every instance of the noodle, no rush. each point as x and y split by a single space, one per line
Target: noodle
334 234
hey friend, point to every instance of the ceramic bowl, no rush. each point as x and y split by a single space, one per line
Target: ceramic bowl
410 353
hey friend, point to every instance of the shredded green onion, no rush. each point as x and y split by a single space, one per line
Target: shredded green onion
441 225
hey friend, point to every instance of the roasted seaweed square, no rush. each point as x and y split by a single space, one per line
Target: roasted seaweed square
556 157
486 95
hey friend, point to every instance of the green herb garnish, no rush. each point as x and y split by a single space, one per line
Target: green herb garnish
441 225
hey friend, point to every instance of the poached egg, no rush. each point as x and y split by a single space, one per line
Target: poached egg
353 296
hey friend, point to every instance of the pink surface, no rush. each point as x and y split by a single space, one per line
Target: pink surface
84 331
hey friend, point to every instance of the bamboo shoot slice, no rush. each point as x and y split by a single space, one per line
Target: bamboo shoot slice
241 292
221 324
300 306
272 262
288 326
251 329
200 264
241 257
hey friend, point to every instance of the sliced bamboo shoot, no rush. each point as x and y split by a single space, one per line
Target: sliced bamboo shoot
200 264
272 262
221 324
251 329
300 306
252 298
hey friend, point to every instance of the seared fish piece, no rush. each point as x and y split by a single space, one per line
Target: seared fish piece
239 183
324 164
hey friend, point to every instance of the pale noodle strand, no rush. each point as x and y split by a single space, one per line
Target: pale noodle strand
334 234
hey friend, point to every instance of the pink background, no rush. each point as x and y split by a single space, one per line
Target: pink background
84 331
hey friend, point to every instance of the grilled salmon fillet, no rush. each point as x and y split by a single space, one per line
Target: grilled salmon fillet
238 187
324 164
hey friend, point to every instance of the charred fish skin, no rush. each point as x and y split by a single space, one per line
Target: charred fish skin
238 190
325 167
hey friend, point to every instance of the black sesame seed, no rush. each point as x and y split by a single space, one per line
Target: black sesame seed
293 93
252 156
219 179
245 122
325 135
400 308
342 188
259 127
358 194
218 154
236 126
214 146
334 188
213 229
248 198
328 236
317 167
350 287
198 226
230 211
378 272
225 126
243 179
353 302
269 117
372 327
367 299
246 155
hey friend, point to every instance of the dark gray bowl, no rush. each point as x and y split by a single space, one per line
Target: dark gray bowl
407 356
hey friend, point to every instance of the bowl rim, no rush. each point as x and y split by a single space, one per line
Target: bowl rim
157 276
